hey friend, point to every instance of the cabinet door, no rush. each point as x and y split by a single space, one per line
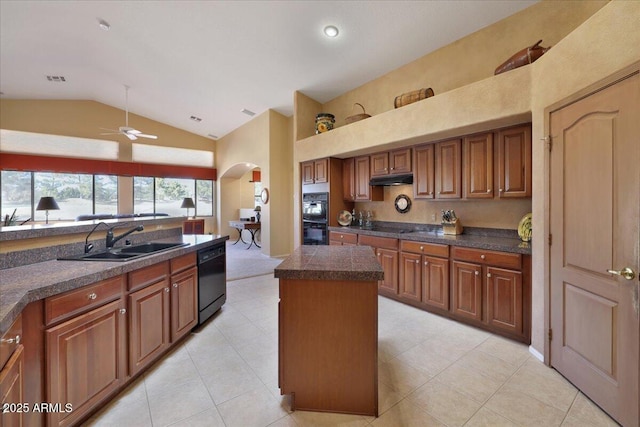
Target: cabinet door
362 178
514 162
12 388
349 179
447 169
504 299
85 361
380 164
389 260
478 166
435 282
321 170
410 276
184 303
466 298
148 324
308 172
424 173
400 161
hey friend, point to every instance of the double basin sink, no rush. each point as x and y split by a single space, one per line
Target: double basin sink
127 253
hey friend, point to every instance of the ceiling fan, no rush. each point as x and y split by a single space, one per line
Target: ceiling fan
125 130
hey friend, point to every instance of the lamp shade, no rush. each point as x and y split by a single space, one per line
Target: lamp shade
47 203
187 202
257 209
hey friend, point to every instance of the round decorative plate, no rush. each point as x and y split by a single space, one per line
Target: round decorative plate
344 218
524 228
403 203
264 196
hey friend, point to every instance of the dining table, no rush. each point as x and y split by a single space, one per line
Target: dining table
252 226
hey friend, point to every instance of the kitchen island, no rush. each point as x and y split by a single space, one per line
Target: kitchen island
328 329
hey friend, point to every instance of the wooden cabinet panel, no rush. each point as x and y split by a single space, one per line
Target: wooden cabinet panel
72 303
478 166
12 389
363 191
514 162
321 170
86 361
435 282
378 242
183 262
410 276
148 324
349 179
400 161
184 303
466 290
193 226
423 176
388 258
11 340
148 275
380 164
424 248
504 299
308 172
499 259
447 169
336 237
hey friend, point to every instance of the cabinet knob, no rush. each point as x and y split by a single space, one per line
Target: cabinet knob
11 340
426 263
378 253
489 191
430 193
500 190
477 273
482 257
123 311
417 261
92 296
167 289
422 248
175 285
341 236
488 274
392 168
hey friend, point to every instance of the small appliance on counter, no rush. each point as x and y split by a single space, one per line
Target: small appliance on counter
450 222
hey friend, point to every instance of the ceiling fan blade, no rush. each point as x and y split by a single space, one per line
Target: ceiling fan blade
110 130
133 131
111 133
144 135
130 136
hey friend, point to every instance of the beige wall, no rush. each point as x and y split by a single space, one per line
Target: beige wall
264 142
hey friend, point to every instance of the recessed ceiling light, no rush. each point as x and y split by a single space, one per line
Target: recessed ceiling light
248 112
210 135
196 119
58 79
331 31
104 25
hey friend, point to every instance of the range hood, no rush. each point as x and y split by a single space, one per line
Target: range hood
391 180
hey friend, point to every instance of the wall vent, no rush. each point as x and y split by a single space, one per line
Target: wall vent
59 79
196 119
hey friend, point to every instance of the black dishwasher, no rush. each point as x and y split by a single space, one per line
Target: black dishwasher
212 281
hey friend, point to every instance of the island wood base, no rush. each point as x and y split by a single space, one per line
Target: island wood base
328 345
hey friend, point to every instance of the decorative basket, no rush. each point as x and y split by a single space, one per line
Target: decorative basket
411 97
357 117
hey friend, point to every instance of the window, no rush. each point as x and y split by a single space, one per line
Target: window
165 195
105 190
16 196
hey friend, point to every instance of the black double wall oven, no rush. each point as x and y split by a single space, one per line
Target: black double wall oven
315 218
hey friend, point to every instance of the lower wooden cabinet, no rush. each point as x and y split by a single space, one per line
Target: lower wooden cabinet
410 276
435 282
193 226
342 239
184 302
12 389
505 300
466 290
388 258
85 361
149 334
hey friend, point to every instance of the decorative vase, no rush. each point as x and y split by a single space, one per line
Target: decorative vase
324 122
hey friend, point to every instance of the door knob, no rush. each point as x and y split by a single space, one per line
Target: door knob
626 272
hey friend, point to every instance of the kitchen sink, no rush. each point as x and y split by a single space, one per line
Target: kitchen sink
146 248
127 253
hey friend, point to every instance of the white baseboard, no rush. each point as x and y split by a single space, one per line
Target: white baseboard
536 354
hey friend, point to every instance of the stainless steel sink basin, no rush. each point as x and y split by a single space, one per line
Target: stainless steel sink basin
146 248
127 253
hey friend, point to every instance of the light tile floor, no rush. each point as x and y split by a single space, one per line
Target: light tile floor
432 372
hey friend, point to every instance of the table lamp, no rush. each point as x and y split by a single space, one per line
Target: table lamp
257 210
187 202
46 204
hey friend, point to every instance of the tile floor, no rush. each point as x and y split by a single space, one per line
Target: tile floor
432 372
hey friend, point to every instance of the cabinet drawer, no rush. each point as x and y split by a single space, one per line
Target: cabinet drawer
183 262
433 249
500 259
148 275
10 341
72 303
378 242
343 237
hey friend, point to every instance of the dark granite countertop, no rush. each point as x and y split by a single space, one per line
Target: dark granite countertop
480 238
21 285
357 263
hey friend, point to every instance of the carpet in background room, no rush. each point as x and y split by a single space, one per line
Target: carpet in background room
243 262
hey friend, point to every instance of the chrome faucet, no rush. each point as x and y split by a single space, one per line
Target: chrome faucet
112 240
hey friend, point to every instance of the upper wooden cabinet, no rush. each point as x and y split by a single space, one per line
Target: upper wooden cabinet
315 171
423 175
478 166
363 191
391 162
349 179
514 162
447 169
